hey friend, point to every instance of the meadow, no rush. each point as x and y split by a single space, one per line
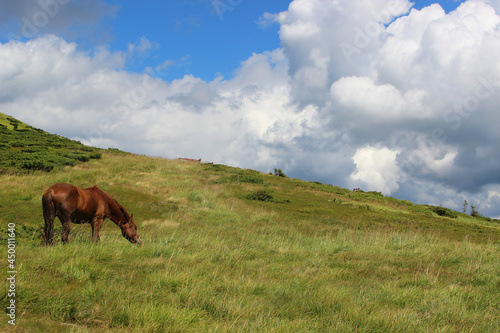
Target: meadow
233 250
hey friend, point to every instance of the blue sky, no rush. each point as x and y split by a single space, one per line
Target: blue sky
325 91
204 38
194 36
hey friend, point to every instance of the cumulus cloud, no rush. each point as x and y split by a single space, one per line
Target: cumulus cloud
422 83
370 94
376 168
52 85
383 101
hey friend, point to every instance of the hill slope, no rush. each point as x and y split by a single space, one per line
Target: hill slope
227 249
24 148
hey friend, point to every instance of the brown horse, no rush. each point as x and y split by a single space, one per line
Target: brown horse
91 205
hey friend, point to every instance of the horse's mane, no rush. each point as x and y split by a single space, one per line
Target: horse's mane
113 204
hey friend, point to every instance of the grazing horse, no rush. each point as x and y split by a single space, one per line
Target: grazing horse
90 205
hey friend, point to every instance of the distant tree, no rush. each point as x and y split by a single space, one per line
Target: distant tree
465 205
279 173
474 211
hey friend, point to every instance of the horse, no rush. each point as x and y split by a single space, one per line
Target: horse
90 205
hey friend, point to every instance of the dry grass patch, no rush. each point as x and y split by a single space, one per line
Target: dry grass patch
169 224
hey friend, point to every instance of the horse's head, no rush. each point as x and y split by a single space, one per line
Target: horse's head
129 231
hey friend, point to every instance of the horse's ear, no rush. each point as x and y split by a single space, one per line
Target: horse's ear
132 216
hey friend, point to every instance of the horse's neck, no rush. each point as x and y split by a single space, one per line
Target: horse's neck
115 212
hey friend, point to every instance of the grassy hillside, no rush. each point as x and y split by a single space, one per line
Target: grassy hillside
232 250
24 148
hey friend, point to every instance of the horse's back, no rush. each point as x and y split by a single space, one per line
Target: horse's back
63 187
64 191
65 197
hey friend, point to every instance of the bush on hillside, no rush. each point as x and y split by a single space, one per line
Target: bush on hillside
266 196
24 148
279 173
442 211
261 195
251 177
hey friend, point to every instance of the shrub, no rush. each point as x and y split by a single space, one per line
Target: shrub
252 178
79 157
265 196
279 173
261 195
375 194
36 164
242 176
442 211
17 144
474 211
96 156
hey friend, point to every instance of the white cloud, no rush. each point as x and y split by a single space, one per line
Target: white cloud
490 206
412 112
362 94
376 168
267 19
137 112
379 102
142 46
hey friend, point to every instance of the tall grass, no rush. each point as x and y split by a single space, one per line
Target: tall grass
213 261
352 280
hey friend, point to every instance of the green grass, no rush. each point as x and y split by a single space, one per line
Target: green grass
315 258
202 283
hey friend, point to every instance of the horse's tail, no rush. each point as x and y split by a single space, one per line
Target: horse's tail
49 214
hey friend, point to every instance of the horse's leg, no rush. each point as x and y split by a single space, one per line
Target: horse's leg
66 228
48 230
96 226
49 214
